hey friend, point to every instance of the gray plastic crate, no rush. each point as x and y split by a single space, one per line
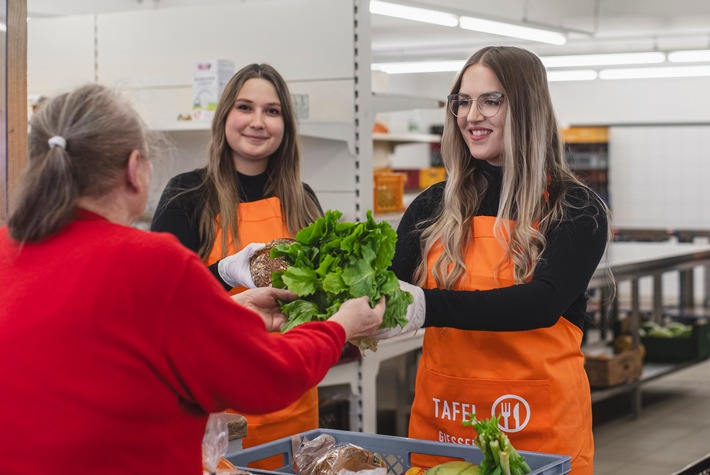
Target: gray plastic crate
699 467
395 451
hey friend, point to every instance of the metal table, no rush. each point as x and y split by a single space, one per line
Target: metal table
632 261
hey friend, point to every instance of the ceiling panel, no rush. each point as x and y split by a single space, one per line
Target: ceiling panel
592 25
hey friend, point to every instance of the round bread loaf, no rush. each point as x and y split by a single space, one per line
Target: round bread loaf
349 457
262 265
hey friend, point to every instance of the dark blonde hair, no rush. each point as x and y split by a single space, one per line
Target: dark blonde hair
221 186
534 165
101 130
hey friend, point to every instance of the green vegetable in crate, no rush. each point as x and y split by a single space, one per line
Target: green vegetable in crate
499 455
659 332
454 468
680 330
670 330
333 261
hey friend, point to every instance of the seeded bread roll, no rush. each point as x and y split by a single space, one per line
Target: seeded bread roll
262 265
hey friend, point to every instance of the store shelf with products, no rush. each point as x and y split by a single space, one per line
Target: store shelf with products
393 187
409 181
587 152
384 145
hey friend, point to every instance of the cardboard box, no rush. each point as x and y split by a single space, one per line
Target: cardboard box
208 81
604 370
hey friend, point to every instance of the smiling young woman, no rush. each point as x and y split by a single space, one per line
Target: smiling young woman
504 250
249 192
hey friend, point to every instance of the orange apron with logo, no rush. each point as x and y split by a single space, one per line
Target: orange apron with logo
261 221
533 380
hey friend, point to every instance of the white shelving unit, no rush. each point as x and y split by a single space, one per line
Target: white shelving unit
384 145
333 76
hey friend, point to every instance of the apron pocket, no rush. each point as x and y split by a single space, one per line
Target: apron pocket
442 402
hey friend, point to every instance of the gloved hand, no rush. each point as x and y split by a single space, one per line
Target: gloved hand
234 269
416 312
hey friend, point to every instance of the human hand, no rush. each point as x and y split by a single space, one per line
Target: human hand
235 269
264 301
416 312
358 318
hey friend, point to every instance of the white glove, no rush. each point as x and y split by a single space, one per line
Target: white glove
235 269
416 312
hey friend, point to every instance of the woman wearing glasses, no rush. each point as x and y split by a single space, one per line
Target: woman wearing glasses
504 250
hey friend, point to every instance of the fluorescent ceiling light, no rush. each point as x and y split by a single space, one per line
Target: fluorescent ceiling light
418 67
515 31
603 59
3 27
572 75
413 13
690 56
643 73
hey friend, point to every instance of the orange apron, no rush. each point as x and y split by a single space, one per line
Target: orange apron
261 221
534 380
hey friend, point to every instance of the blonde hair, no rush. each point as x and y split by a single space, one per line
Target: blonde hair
100 130
220 186
534 168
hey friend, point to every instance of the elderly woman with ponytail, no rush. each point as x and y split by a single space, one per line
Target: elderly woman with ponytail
113 340
504 250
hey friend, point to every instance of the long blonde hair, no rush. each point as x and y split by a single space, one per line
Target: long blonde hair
534 168
220 187
101 130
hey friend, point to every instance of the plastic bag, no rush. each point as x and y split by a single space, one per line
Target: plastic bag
325 456
214 446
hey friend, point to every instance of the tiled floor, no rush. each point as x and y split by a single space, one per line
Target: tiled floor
671 431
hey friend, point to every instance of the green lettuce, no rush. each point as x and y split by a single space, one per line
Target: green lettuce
333 261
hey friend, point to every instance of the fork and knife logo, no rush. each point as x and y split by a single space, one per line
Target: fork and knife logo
514 412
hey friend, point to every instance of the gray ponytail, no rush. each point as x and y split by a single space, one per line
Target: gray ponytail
100 130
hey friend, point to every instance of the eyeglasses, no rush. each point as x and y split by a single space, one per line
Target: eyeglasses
488 104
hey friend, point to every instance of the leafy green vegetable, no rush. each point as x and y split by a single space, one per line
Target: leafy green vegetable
499 455
333 261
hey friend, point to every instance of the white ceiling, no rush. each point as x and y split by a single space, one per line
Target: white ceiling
593 26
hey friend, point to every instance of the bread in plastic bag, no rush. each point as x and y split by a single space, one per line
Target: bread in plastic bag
325 456
214 446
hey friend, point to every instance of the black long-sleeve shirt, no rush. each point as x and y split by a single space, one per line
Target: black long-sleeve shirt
181 216
558 285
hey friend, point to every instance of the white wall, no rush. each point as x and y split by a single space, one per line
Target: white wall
637 101
659 176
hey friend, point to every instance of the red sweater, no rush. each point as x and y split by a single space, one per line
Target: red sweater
116 343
